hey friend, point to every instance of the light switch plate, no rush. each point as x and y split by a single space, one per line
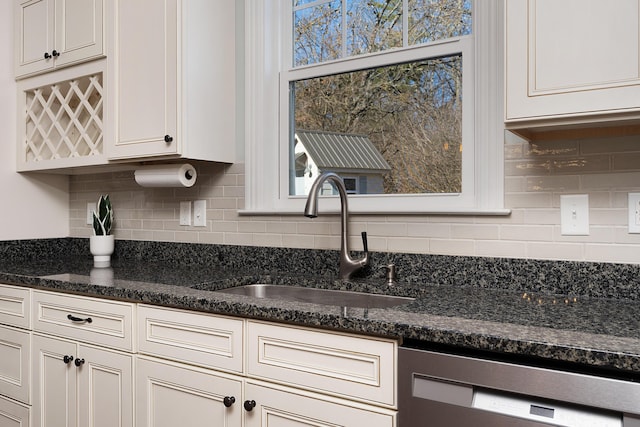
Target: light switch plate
199 213
574 215
634 212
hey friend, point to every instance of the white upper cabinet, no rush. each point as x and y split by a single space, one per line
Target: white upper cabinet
56 33
173 74
572 61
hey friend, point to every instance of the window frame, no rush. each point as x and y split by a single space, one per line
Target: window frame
267 128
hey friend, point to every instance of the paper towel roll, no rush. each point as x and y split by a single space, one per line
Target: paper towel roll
183 175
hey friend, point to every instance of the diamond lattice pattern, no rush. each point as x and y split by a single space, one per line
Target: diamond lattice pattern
64 120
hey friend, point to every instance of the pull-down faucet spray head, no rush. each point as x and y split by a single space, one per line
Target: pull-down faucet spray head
348 265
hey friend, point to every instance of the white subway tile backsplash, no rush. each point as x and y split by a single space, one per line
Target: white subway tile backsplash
526 232
475 231
408 244
555 250
452 247
498 248
536 175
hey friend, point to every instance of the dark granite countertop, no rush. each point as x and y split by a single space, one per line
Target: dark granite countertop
593 332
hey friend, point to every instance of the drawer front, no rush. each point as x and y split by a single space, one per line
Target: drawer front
91 320
362 368
15 351
15 305
197 338
13 414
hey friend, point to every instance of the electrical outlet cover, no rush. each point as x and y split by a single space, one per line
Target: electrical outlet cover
185 213
91 207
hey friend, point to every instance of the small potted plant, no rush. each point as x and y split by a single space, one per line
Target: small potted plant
102 243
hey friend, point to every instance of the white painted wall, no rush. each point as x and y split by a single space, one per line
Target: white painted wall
33 205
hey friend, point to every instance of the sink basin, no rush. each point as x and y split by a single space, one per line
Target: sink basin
318 296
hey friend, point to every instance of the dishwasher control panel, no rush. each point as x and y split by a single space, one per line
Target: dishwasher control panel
553 413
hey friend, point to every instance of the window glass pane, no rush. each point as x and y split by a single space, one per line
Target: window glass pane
396 128
317 34
373 26
431 20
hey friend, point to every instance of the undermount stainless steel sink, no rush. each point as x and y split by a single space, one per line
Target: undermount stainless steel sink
318 296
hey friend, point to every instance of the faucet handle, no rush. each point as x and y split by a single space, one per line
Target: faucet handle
364 242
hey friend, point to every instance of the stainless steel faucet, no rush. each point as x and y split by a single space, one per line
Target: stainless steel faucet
348 265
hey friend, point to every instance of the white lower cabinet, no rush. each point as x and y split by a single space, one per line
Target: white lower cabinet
82 361
15 356
293 376
83 365
79 385
170 395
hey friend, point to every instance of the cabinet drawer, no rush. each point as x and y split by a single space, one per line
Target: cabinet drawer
198 338
13 414
91 320
15 351
15 303
344 365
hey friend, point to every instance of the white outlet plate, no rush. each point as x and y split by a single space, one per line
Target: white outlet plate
574 215
91 207
634 212
185 213
200 213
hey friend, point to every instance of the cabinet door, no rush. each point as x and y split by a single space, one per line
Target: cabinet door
34 35
55 33
79 30
15 348
105 388
276 407
146 73
571 58
54 382
169 395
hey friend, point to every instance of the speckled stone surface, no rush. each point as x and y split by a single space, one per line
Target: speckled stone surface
584 314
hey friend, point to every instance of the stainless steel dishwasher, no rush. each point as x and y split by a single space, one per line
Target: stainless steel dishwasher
438 390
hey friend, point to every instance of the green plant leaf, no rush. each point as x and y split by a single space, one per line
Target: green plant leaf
103 217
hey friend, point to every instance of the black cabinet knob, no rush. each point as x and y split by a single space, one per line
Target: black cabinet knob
79 362
249 405
67 359
46 55
55 53
168 138
228 401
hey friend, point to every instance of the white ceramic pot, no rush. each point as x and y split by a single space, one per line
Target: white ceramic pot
101 248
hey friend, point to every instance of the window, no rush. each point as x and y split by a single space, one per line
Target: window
401 98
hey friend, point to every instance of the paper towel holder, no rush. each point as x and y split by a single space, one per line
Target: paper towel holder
166 175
